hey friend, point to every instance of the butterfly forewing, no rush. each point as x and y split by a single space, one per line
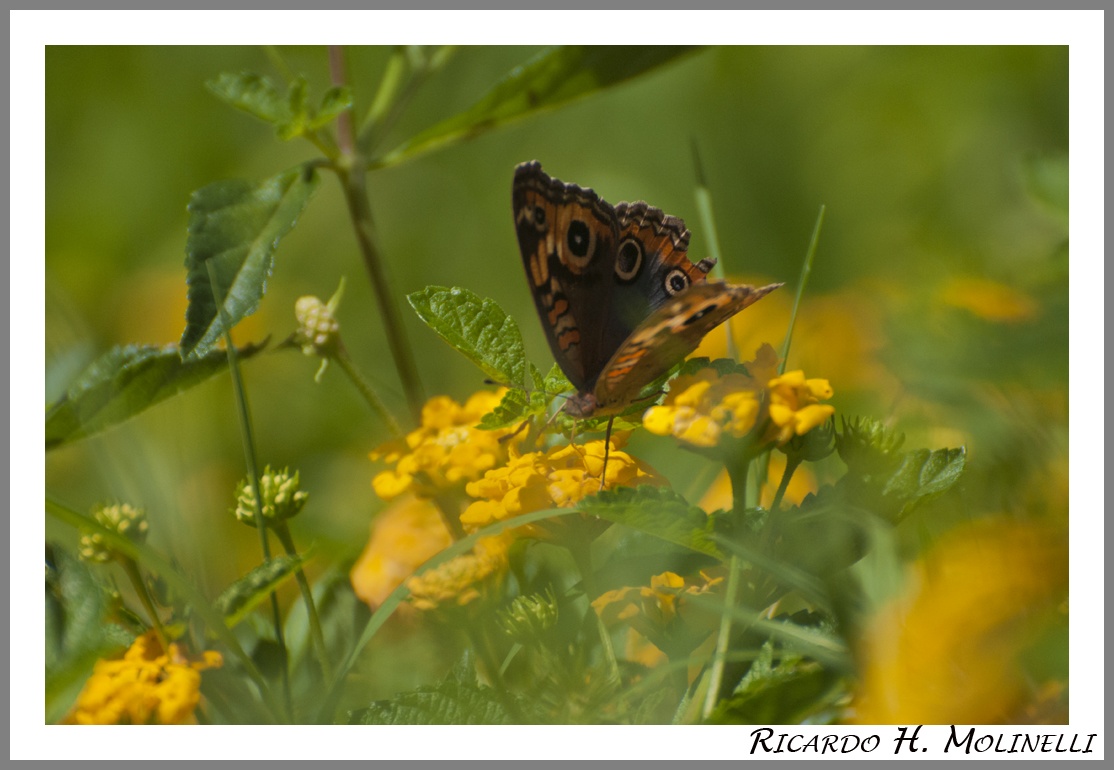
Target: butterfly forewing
567 236
669 334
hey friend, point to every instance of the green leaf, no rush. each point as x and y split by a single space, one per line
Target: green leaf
476 327
253 94
234 227
657 511
555 77
240 598
784 693
335 101
447 703
892 491
291 114
125 381
297 110
924 475
515 407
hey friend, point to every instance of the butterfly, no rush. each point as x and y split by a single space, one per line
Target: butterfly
619 300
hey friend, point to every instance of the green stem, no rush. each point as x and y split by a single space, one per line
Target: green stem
737 471
723 638
354 182
243 413
131 569
581 550
494 672
806 270
791 465
345 133
282 531
345 362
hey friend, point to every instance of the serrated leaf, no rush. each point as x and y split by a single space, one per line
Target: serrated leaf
555 77
923 475
476 327
657 511
782 694
124 382
253 94
515 406
234 227
448 703
240 598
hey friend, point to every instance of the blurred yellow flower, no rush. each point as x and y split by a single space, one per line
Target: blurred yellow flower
146 686
653 610
447 451
989 300
462 580
403 537
949 649
558 478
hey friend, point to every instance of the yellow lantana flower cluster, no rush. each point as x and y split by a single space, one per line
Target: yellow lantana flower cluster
147 686
558 478
706 408
447 451
462 580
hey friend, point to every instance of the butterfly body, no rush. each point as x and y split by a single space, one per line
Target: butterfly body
619 300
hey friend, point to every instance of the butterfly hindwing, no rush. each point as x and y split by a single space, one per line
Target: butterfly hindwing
567 236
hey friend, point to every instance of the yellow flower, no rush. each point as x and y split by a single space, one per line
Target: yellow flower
146 686
447 451
654 610
706 409
794 405
462 580
403 537
558 478
951 649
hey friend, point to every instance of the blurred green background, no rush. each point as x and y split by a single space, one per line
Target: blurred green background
938 300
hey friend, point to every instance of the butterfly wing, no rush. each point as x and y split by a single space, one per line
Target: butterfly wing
651 266
670 333
567 236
